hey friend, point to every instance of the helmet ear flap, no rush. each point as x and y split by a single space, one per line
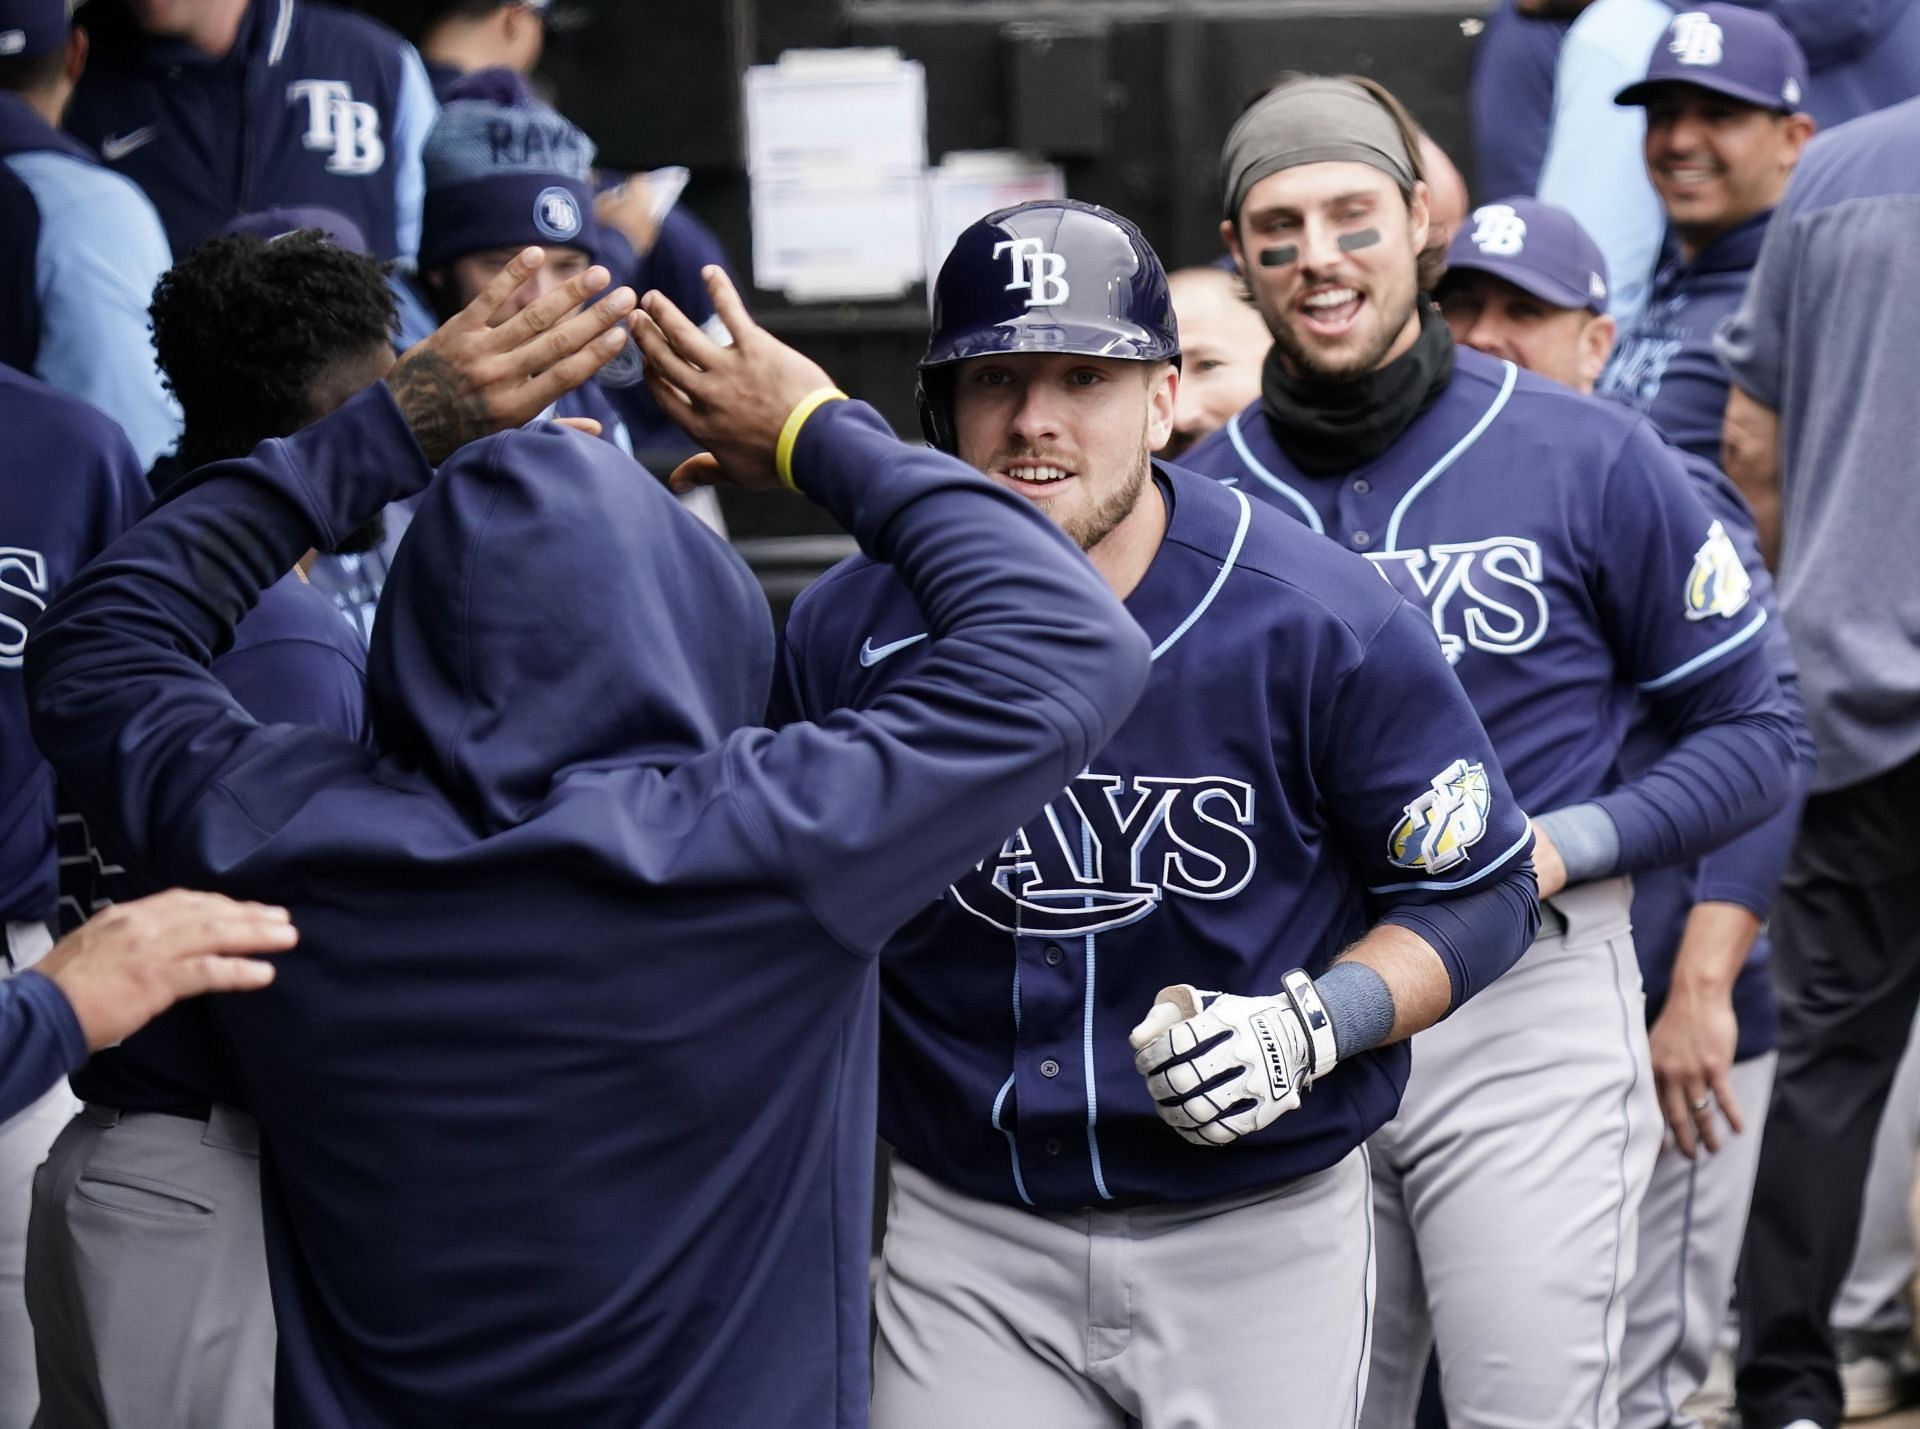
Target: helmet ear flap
933 395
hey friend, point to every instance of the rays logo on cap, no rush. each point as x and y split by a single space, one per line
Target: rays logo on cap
1790 91
12 42
1446 821
1498 231
1718 584
1697 40
556 213
1042 274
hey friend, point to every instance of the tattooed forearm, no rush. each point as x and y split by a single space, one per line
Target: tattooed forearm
444 413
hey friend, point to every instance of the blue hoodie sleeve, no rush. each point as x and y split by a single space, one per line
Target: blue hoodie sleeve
1032 667
40 1040
123 704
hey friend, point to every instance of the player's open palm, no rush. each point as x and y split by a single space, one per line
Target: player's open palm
483 371
733 398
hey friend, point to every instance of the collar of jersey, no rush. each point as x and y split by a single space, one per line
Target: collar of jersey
1206 526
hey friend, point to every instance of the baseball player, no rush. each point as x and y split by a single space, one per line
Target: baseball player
137 1324
503 171
82 487
1539 301
217 110
1725 127
568 1107
80 248
1301 817
1568 571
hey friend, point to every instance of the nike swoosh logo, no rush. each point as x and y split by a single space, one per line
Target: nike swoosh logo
871 654
115 147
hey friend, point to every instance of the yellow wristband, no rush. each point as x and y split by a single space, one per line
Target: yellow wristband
796 419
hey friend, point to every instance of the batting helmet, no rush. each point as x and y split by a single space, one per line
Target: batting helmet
1052 276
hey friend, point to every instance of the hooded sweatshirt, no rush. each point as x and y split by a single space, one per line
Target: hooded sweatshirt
568 1093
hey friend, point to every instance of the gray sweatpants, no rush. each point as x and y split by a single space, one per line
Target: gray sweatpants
1237 1313
1506 1191
147 1276
1691 1226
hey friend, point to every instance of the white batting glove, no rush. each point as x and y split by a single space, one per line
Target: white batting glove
1220 1067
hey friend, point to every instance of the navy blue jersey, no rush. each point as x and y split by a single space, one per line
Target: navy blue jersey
69 483
312 106
1747 870
1569 572
1250 818
568 1099
293 661
1664 365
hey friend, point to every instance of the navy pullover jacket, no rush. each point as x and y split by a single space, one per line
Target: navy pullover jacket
568 1095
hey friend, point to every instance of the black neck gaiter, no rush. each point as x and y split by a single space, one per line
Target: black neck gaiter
1331 427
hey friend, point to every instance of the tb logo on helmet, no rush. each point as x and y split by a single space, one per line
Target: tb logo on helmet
1042 274
1697 40
1498 230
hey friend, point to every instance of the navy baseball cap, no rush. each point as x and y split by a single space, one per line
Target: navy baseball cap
272 223
1743 54
1538 248
33 27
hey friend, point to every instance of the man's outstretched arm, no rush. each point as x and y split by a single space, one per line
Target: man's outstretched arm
108 978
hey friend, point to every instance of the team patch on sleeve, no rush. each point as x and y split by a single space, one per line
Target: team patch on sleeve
1718 584
1443 823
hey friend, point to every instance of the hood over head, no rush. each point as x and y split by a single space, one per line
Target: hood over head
554 609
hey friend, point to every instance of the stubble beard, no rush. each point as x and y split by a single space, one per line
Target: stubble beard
1090 529
1309 362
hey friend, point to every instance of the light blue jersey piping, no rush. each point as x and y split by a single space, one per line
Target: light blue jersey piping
1255 466
1707 657
1434 472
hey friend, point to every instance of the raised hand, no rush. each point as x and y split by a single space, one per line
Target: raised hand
471 379
734 400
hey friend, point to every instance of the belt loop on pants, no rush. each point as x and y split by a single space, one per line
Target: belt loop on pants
100 1115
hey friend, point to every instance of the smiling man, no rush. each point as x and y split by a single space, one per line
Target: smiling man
1565 564
1698 928
1302 813
1724 129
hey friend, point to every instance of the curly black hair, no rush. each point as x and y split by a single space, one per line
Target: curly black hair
247 328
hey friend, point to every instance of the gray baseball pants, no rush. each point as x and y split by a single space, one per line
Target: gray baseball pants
147 1275
1507 1190
1691 1226
1239 1313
